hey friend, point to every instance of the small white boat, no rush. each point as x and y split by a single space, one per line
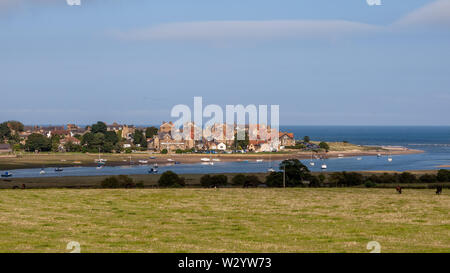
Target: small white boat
270 170
324 167
359 158
143 161
378 155
259 160
340 156
211 163
205 159
170 159
216 159
390 159
312 163
42 172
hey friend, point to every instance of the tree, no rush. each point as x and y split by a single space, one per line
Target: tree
139 138
71 147
151 131
306 139
111 137
16 126
171 180
99 127
443 175
324 145
243 143
38 142
5 131
296 172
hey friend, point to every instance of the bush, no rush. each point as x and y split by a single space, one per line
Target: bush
209 181
370 184
347 179
164 151
140 184
179 151
251 181
407 177
171 180
443 176
324 145
274 179
238 180
428 178
110 182
121 181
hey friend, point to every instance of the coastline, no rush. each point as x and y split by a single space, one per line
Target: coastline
88 160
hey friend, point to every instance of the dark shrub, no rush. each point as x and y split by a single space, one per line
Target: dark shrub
164 151
110 182
171 180
407 177
274 179
121 181
347 179
238 180
385 178
125 181
314 181
428 178
251 181
140 184
443 176
209 181
370 184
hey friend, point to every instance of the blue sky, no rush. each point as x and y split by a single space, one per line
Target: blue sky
325 62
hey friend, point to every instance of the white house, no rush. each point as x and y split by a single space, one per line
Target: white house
221 146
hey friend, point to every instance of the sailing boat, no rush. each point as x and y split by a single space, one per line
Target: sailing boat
312 162
42 172
390 157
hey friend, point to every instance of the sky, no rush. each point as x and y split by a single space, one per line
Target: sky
324 62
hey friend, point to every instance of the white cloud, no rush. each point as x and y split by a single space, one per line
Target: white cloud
216 30
433 14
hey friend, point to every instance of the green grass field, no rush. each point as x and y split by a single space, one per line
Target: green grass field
224 220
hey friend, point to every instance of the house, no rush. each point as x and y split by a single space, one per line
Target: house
286 139
221 146
166 127
128 131
5 148
70 139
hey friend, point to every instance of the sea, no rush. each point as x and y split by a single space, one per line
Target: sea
433 140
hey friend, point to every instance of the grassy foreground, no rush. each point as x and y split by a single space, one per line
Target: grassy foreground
224 220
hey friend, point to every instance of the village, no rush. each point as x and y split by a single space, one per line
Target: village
100 137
